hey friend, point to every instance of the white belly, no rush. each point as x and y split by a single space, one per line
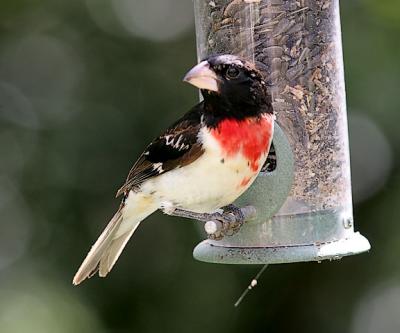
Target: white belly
205 185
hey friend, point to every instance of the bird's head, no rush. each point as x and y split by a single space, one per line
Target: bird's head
231 81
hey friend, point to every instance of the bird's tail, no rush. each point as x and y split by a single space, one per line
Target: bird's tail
108 247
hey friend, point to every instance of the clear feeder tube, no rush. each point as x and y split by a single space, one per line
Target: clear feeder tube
297 46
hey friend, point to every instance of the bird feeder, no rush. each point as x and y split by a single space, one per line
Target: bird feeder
303 194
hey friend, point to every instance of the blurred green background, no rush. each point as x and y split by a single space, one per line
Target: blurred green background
84 86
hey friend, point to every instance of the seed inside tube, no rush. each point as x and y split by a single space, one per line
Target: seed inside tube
296 44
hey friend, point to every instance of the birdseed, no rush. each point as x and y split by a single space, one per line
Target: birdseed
297 47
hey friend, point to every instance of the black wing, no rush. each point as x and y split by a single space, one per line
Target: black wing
177 147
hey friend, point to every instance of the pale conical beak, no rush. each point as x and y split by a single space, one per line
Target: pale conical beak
202 77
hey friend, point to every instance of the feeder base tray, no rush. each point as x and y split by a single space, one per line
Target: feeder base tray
354 244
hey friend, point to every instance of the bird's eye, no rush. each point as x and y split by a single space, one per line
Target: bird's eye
232 73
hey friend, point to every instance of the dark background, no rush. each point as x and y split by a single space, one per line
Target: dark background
84 86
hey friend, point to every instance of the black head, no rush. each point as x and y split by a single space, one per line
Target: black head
231 84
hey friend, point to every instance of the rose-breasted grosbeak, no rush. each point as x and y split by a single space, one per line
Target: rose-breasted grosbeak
203 162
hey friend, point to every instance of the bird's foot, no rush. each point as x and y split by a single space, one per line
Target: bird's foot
229 225
218 225
234 211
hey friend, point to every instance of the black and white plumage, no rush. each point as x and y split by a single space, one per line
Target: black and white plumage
203 162
177 147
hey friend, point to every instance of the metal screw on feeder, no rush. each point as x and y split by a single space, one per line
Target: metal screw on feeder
304 205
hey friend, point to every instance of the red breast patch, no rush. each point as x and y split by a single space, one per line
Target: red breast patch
251 137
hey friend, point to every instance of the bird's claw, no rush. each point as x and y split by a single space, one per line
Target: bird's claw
228 223
235 211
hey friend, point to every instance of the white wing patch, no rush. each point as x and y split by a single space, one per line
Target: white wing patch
176 143
158 167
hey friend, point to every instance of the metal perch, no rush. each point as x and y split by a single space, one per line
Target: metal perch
226 222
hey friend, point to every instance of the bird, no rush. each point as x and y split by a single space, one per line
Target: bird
203 162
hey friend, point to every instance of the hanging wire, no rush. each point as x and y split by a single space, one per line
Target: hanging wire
252 284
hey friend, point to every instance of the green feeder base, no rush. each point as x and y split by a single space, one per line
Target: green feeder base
209 252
